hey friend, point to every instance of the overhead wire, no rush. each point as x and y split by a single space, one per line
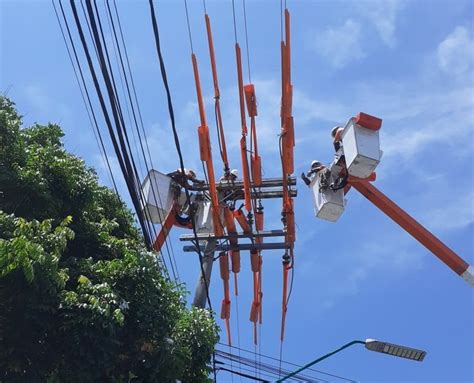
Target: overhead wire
116 105
123 79
140 118
85 95
178 148
88 96
135 109
269 369
119 147
294 364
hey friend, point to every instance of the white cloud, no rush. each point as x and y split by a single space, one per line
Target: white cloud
383 15
456 53
426 119
358 264
341 45
456 214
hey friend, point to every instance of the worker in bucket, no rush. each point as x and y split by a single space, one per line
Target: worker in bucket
336 134
230 177
183 178
315 168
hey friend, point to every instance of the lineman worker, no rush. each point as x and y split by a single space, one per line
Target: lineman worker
316 167
336 134
232 176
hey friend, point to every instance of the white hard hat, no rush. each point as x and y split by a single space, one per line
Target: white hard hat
334 130
234 172
191 173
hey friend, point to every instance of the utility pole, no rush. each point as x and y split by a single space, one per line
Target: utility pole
202 287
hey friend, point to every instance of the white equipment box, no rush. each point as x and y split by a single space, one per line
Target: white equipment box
203 219
328 204
158 194
361 149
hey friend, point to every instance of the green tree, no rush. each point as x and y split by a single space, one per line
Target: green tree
81 300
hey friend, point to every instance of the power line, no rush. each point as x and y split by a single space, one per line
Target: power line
269 369
85 94
109 79
120 150
178 149
189 25
242 374
292 364
136 111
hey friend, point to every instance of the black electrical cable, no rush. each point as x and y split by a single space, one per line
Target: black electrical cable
175 133
123 161
142 125
270 369
109 80
290 363
128 105
178 149
145 229
266 368
242 374
85 95
128 85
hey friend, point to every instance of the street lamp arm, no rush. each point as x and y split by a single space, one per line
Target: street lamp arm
320 359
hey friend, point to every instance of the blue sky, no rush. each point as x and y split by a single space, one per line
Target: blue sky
410 63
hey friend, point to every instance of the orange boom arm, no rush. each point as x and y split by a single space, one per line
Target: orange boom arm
415 229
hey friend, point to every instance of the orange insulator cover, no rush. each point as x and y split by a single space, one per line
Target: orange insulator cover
225 309
254 312
254 261
290 131
250 99
224 266
235 259
257 170
229 221
290 227
259 225
245 171
204 143
234 254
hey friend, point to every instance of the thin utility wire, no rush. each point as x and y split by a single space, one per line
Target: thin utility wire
235 22
120 151
107 69
189 25
136 110
294 364
91 118
178 149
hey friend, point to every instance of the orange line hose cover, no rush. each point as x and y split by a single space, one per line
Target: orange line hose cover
239 216
197 81
246 175
224 266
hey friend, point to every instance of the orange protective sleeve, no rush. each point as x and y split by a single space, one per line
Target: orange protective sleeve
239 216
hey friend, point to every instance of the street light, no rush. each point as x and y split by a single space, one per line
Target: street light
372 345
395 350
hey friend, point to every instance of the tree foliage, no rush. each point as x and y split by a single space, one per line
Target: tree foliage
81 300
